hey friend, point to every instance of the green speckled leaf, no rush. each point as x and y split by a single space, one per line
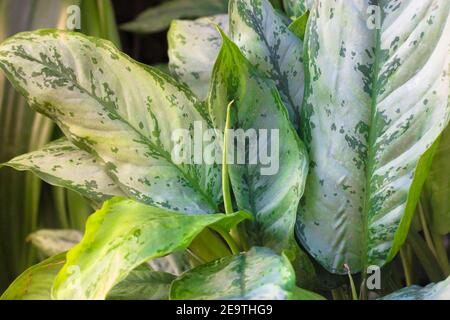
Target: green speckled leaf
298 26
54 242
158 18
62 164
193 49
259 274
119 111
438 291
122 235
297 8
266 41
143 284
272 196
36 282
376 100
437 187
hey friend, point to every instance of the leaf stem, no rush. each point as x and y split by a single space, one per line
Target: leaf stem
225 175
426 231
234 247
406 266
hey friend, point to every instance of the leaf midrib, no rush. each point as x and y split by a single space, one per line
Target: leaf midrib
369 168
150 144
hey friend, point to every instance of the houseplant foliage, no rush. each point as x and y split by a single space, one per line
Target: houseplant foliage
361 106
24 130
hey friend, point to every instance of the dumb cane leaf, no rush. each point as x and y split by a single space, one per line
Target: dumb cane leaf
54 242
36 282
376 101
117 110
193 49
258 274
266 41
261 34
270 193
435 291
123 235
297 8
62 164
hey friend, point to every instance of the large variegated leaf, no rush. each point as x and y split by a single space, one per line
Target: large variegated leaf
438 291
143 284
193 49
437 187
158 18
297 8
119 111
36 282
62 164
259 274
267 42
376 101
123 235
270 191
54 242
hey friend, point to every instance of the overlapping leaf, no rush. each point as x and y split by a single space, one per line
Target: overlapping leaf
119 111
266 41
262 35
193 49
376 101
258 274
271 196
297 8
123 235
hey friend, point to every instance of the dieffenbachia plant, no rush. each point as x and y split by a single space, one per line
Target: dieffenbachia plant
368 95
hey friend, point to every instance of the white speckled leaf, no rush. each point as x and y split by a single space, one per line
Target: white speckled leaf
296 8
376 101
193 49
272 196
121 236
438 291
53 242
118 110
62 164
36 282
143 284
259 274
266 41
